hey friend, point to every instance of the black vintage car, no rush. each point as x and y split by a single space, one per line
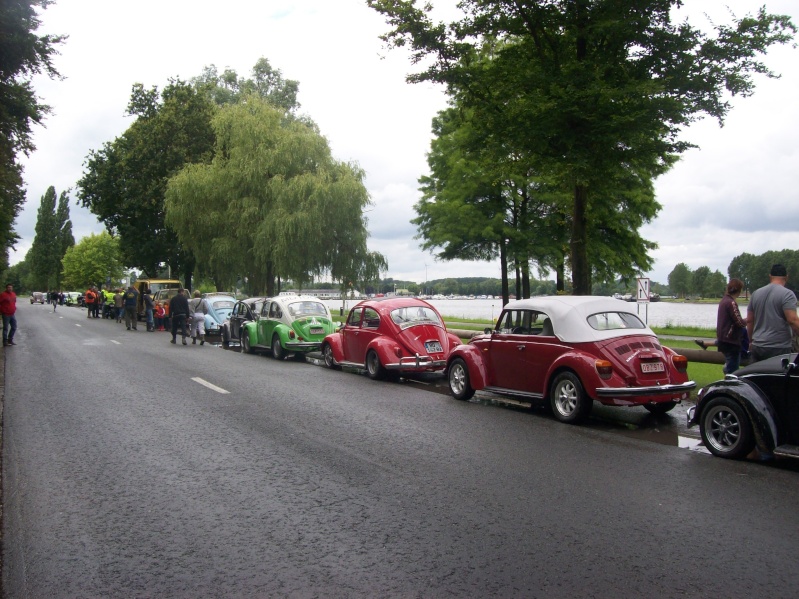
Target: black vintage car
243 311
758 406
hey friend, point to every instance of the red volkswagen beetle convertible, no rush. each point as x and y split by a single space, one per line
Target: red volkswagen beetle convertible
395 334
571 351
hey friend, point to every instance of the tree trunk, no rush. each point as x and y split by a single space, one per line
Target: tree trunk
581 273
560 276
503 261
525 279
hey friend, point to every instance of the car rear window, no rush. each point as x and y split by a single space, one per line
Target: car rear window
610 321
413 315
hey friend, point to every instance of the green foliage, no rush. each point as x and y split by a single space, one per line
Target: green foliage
125 181
23 54
52 240
754 270
595 92
680 280
274 203
92 261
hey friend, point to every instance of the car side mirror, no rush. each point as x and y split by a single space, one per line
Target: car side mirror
488 330
788 366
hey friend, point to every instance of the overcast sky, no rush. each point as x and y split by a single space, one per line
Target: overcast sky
737 193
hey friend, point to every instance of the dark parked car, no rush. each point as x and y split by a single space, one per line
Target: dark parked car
757 406
244 311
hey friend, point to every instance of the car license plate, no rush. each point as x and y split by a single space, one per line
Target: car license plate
317 330
433 347
652 367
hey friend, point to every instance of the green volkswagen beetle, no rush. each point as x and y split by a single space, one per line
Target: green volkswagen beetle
288 324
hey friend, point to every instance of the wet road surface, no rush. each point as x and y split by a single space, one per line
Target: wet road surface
133 467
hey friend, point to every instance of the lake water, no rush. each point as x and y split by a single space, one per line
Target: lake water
657 314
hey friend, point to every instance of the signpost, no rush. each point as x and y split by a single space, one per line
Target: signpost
642 297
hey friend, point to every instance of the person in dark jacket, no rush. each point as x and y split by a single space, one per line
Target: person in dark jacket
179 312
131 301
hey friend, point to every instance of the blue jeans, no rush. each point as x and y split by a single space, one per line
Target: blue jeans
9 322
732 357
149 313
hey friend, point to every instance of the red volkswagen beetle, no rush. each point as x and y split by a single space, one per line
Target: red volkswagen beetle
393 334
571 351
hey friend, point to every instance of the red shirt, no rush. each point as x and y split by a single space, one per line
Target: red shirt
8 303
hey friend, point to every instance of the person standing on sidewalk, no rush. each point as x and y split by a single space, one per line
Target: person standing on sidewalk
771 317
730 327
179 312
8 308
131 301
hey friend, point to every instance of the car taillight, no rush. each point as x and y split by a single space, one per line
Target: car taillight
604 369
292 334
680 363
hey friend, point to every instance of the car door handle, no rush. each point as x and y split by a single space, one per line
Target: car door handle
521 347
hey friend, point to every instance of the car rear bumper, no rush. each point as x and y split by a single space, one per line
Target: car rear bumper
417 363
645 391
303 345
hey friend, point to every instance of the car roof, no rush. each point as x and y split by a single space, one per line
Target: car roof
391 303
569 313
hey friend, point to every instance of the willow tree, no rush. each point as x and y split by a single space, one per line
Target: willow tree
594 89
272 203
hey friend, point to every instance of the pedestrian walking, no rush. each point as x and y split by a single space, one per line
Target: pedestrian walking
771 317
179 312
198 308
131 301
8 309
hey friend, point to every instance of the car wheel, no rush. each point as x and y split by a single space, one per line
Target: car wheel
374 368
660 408
330 361
245 343
568 399
458 376
278 353
726 429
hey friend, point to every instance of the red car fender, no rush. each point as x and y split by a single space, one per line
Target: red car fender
473 358
583 365
334 341
386 348
454 340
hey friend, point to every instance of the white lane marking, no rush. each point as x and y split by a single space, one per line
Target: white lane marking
205 383
78 325
115 341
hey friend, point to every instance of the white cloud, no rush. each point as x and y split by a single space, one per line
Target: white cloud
735 194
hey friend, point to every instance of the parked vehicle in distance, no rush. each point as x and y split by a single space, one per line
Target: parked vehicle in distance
154 285
756 406
220 305
570 351
244 311
391 334
37 297
288 324
73 298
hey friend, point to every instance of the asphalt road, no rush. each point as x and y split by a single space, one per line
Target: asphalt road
135 468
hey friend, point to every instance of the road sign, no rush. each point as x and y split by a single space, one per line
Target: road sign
643 291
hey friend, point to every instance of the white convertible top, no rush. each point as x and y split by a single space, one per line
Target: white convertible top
569 314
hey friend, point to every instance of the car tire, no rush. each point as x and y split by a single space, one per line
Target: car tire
658 409
327 354
726 429
458 377
246 348
278 353
374 368
568 399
